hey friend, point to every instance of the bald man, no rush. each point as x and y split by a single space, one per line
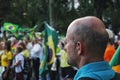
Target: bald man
85 43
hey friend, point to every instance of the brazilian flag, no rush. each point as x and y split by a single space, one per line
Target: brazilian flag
115 61
28 30
50 45
10 27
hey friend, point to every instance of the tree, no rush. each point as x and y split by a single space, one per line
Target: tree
30 12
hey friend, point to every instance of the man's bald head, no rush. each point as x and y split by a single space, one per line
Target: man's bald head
91 32
90 21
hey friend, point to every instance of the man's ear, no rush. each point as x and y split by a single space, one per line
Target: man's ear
79 47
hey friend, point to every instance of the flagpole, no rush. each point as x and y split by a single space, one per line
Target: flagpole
50 13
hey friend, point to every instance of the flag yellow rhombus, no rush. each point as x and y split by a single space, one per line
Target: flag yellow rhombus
51 46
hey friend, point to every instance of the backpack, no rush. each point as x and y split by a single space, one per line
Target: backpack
27 66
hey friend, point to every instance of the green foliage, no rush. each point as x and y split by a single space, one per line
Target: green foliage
86 8
30 12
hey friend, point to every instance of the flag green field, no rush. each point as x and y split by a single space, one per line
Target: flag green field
10 27
50 45
115 61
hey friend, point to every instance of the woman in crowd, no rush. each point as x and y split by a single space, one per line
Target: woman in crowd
18 64
6 59
27 62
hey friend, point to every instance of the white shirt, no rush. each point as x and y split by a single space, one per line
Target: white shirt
29 46
36 50
19 57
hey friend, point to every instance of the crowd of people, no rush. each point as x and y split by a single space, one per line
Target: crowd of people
84 54
20 58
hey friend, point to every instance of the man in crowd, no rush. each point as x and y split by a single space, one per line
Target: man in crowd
85 44
35 57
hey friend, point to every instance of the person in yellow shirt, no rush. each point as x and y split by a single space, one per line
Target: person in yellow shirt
6 59
25 52
27 62
67 71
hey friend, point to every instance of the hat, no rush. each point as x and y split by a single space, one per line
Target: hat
110 33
